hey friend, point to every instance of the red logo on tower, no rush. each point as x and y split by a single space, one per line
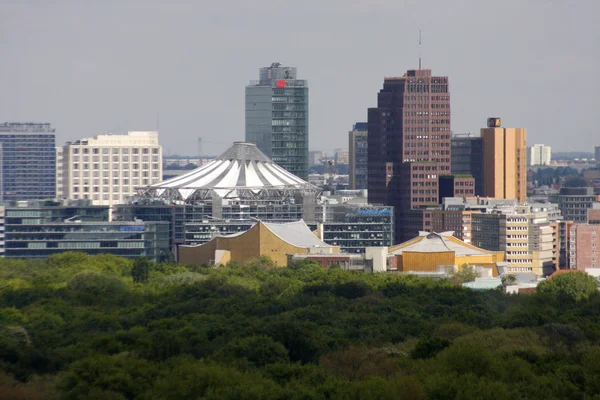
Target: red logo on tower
280 83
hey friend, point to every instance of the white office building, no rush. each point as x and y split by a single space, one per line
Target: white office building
540 154
107 169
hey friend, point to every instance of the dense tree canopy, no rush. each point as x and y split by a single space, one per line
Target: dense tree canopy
81 327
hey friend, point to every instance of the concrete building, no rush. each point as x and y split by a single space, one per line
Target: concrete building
524 233
275 240
108 169
467 158
409 144
456 186
36 229
277 117
27 161
505 162
358 155
441 252
584 246
575 202
539 154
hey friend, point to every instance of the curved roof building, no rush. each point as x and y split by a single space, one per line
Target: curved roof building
241 172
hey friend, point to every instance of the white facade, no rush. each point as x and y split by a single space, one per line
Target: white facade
107 169
540 155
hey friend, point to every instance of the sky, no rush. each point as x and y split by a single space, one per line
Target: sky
94 67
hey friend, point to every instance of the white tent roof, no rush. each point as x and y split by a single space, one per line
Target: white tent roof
242 166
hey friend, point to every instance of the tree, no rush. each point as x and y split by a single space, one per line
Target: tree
575 286
466 273
140 270
508 280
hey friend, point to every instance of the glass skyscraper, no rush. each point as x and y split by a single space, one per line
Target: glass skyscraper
277 117
28 161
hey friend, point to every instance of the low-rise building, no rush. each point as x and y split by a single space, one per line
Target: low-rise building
40 229
574 202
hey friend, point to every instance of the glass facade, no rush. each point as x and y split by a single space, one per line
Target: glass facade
467 158
354 227
40 230
277 117
28 161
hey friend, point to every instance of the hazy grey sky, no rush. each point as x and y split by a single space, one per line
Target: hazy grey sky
92 67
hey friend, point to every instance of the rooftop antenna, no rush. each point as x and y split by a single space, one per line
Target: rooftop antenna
419 49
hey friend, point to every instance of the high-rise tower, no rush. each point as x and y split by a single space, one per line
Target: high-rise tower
409 144
504 161
277 117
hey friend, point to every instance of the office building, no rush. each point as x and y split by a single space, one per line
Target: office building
467 158
584 246
108 169
409 145
277 117
524 233
27 161
575 203
341 157
40 229
505 161
59 173
539 155
456 186
358 155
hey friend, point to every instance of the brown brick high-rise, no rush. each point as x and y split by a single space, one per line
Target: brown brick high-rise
409 145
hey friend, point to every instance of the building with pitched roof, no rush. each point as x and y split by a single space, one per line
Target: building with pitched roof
432 252
275 240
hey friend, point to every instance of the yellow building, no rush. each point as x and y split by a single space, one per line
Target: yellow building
504 162
276 240
429 252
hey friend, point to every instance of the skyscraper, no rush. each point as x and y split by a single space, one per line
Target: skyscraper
277 117
504 161
409 144
358 155
28 161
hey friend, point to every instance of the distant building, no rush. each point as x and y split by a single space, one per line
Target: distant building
27 161
358 155
540 155
409 145
40 229
277 117
574 202
108 169
505 163
314 157
467 158
597 154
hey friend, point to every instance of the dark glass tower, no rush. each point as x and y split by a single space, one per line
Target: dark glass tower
409 145
277 117
28 161
467 158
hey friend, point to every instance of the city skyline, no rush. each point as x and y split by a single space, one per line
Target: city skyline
93 69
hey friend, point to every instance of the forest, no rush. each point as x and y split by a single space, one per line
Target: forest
75 326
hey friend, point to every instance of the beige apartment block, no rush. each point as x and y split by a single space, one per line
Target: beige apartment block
107 169
505 163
